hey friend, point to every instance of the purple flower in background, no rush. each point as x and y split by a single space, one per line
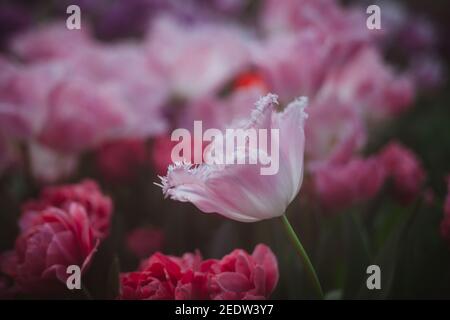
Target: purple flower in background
428 71
415 39
134 14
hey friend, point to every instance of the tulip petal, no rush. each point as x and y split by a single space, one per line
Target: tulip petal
240 191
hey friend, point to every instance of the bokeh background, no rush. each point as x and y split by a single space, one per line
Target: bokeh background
405 239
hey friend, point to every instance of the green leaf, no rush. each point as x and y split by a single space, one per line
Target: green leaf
388 259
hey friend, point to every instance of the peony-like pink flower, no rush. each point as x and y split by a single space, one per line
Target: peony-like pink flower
55 239
155 280
221 113
144 241
195 65
98 207
341 185
445 224
238 275
405 169
121 160
244 276
239 191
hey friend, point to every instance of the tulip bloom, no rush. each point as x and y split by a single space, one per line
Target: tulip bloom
406 171
237 276
341 185
239 191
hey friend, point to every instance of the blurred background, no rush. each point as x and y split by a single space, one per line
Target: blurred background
101 102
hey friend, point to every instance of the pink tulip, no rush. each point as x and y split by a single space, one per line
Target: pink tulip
369 85
293 63
244 276
239 191
250 79
156 280
54 240
341 185
144 241
25 98
136 82
7 290
74 105
334 131
236 276
98 207
186 52
9 156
